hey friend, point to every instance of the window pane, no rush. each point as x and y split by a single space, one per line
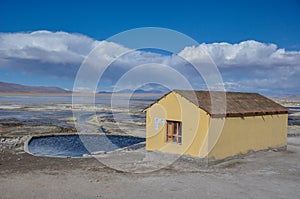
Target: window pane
174 139
179 129
179 140
175 127
173 131
170 126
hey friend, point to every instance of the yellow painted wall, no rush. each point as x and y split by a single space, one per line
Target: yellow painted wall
252 133
194 126
215 138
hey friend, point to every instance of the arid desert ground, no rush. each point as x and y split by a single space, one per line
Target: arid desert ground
267 174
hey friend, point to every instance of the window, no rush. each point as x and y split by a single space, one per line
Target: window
173 133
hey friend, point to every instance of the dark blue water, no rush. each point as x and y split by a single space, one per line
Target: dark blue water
76 146
294 107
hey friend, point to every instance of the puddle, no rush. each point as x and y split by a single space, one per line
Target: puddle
77 146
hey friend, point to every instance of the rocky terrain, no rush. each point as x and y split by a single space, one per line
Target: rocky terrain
269 174
134 173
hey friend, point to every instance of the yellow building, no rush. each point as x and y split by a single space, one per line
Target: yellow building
215 125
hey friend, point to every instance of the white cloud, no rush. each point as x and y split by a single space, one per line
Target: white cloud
70 48
246 65
248 53
251 65
65 48
46 46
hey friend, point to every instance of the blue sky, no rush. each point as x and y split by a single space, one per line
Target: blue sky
234 22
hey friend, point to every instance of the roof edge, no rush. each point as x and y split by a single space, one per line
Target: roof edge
145 109
227 114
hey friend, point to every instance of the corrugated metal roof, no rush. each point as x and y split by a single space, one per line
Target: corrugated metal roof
220 104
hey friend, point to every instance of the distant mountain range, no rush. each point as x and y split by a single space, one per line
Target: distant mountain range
138 91
10 87
151 88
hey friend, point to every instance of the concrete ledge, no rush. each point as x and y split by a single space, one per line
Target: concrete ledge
25 146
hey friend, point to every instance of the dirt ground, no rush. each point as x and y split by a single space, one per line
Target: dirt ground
269 174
